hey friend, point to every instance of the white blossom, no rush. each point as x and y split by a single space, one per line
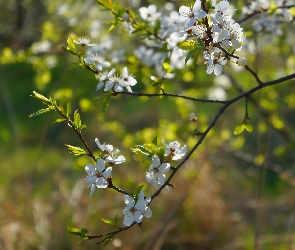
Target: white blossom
150 13
174 150
111 155
103 78
98 60
83 41
127 79
97 175
134 211
189 16
156 174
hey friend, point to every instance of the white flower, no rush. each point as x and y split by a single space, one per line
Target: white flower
83 41
156 175
242 61
98 60
134 211
149 13
103 78
224 8
97 175
111 155
173 150
127 79
106 149
113 158
189 16
113 83
214 61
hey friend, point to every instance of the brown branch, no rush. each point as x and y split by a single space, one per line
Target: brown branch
169 94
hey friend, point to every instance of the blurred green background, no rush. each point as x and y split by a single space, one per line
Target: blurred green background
236 192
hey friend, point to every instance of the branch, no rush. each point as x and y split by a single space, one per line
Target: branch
221 110
169 94
248 16
199 142
76 131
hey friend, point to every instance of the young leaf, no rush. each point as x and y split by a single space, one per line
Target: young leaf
59 120
77 151
248 126
77 120
71 46
111 222
137 190
41 98
73 230
239 129
140 149
107 240
187 45
154 141
40 112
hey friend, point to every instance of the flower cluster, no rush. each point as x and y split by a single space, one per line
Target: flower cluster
218 32
96 62
136 208
215 32
117 83
156 174
269 21
99 175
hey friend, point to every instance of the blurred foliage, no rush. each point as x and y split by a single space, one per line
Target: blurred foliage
234 190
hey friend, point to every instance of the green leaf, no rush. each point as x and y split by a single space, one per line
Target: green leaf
59 120
108 240
69 109
239 129
154 141
138 189
73 230
140 149
41 98
77 151
111 222
248 126
77 120
188 45
71 46
40 112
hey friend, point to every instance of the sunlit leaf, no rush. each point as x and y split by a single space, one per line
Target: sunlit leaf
188 45
239 129
41 98
111 222
77 120
248 126
77 151
40 112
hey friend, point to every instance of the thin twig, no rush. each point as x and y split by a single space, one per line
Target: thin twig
169 94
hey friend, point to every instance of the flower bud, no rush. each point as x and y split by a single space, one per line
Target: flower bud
193 117
242 61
